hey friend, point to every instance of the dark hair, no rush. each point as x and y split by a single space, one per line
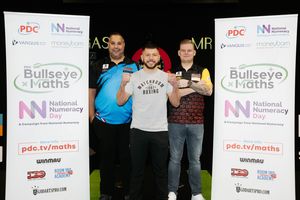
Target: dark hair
116 33
150 45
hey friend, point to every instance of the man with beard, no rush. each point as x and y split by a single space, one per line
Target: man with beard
110 121
150 89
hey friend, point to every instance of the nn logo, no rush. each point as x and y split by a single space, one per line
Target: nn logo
236 108
263 29
56 28
32 109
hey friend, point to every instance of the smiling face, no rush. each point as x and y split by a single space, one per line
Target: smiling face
150 58
186 52
116 47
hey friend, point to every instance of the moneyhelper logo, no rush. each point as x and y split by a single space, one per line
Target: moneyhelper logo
45 78
253 78
66 44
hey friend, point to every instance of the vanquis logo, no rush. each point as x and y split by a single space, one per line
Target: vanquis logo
254 78
44 78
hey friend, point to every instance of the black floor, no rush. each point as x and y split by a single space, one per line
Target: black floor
149 187
2 184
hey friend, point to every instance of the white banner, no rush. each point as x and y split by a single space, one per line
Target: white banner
1 153
253 155
47 106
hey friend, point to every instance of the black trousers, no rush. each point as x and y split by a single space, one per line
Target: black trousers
155 144
114 143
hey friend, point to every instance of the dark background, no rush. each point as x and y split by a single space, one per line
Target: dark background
166 22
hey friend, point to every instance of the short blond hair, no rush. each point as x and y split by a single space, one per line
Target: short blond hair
186 41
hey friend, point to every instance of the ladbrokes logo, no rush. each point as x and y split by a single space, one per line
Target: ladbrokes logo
254 78
44 78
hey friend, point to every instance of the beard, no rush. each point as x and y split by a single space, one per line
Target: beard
151 67
116 54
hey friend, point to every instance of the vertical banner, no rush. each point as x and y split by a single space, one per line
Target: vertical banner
47 106
1 124
1 134
1 153
253 154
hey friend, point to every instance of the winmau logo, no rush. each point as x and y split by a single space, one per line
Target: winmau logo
44 78
253 78
252 160
48 160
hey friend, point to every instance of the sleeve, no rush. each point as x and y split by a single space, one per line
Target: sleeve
206 77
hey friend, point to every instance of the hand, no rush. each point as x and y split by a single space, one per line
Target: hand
172 79
125 78
183 83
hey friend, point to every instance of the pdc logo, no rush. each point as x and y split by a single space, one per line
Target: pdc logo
29 28
236 31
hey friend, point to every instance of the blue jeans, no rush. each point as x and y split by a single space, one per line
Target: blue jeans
193 135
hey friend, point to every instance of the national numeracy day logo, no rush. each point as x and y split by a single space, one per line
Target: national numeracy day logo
44 78
254 78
